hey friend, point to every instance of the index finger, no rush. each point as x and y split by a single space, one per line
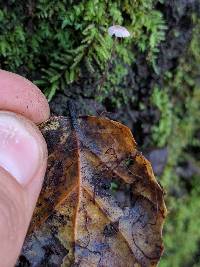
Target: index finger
21 96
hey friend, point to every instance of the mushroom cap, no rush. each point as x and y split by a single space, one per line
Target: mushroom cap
118 31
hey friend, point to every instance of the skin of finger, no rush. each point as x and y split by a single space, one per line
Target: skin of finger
16 208
17 202
23 97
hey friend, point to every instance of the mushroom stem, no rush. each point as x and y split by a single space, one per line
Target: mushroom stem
108 65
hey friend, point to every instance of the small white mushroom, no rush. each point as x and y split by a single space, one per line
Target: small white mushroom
118 31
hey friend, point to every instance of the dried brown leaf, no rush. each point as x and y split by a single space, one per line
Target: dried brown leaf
79 220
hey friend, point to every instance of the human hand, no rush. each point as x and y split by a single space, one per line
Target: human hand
23 158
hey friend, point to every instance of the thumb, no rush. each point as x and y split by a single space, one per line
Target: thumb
23 157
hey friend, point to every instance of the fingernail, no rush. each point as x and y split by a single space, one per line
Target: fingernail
19 150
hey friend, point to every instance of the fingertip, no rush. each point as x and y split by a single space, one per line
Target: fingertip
18 195
21 96
23 148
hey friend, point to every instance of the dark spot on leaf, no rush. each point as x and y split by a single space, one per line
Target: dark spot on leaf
111 229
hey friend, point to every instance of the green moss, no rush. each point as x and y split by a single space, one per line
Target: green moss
58 41
162 131
178 103
182 229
